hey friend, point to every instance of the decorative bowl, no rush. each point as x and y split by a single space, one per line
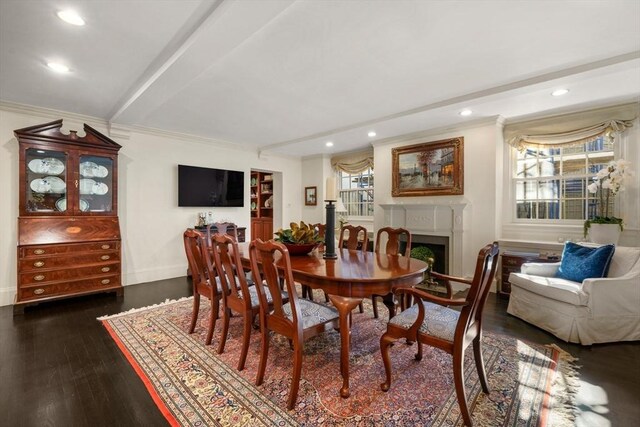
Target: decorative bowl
300 249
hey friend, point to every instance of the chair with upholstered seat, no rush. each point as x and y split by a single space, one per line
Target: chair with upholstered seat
202 275
357 239
298 320
393 247
431 322
235 290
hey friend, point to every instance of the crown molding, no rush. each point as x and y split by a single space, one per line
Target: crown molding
51 113
412 137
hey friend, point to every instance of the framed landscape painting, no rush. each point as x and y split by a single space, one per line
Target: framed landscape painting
429 169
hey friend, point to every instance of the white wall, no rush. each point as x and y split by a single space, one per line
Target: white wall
151 221
315 170
481 160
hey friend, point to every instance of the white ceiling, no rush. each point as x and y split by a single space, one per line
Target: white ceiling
286 76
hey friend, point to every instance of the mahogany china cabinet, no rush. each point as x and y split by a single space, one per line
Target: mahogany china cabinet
68 230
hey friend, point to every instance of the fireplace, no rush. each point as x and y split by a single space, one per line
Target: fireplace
439 245
438 226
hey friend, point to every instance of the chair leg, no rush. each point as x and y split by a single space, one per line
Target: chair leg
326 297
225 330
215 307
194 312
458 379
419 353
374 302
477 355
297 370
385 343
264 351
246 337
361 308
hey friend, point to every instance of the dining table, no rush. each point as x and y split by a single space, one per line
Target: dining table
348 279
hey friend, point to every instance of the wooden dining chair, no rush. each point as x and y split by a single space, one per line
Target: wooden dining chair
228 228
431 322
204 278
298 320
237 295
354 242
392 247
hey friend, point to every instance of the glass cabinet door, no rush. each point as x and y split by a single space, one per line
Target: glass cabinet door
46 180
95 184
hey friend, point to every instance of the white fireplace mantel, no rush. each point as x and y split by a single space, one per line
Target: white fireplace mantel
436 219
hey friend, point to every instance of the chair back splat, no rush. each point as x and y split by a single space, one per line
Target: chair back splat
433 323
297 320
392 247
237 296
353 241
204 278
393 241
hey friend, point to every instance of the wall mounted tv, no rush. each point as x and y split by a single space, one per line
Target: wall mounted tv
210 187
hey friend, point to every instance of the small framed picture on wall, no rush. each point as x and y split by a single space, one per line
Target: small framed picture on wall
310 196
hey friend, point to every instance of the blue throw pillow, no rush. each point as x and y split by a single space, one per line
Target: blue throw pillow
580 262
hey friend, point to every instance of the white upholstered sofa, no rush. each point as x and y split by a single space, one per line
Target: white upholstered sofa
594 311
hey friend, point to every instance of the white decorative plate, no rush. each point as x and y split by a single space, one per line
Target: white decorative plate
100 188
61 204
101 172
48 165
88 169
48 184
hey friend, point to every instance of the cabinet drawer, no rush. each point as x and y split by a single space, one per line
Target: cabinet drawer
46 250
64 288
36 277
67 260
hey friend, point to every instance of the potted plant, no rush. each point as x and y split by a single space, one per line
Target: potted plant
603 228
300 239
425 254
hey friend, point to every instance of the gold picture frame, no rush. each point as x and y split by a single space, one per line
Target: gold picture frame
433 168
310 196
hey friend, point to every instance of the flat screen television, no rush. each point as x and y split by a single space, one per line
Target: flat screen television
210 187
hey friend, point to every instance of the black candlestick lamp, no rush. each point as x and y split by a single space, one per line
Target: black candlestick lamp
330 232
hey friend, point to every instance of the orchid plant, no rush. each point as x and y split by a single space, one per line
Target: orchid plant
606 184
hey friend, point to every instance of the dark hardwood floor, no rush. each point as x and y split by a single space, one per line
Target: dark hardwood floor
59 367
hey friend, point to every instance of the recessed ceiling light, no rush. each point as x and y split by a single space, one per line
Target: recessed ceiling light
371 134
560 92
465 112
40 151
58 67
71 17
329 144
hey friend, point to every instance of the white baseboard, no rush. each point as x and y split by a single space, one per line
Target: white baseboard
153 274
7 296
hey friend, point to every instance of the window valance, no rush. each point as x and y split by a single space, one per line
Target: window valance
571 129
353 162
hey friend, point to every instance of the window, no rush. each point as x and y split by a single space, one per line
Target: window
551 183
356 192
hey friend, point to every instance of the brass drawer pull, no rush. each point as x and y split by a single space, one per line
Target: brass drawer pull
105 257
39 251
38 264
38 291
105 269
39 277
105 281
106 246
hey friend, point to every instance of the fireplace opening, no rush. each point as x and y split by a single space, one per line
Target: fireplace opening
439 245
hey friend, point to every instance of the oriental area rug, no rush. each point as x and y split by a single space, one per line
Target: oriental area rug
192 385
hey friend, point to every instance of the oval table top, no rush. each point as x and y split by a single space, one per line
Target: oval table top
353 273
